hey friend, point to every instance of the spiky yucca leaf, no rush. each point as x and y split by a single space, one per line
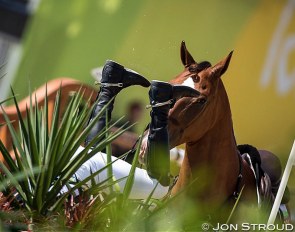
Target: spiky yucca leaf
130 179
51 150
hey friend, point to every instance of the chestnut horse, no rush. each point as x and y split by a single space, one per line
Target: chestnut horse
212 171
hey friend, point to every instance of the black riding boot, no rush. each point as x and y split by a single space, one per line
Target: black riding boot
162 98
114 78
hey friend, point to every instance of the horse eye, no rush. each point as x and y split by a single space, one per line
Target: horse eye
195 78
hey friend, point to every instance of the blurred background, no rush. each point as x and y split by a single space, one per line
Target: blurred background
42 40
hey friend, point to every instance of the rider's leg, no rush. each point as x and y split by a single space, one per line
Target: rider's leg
142 186
114 78
162 98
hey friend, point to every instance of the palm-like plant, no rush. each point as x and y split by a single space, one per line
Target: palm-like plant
45 162
51 150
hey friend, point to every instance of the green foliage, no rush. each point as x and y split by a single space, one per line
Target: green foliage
50 149
46 161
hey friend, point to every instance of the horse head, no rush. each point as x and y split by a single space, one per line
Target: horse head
191 118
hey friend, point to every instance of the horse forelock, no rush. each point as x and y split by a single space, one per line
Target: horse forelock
199 67
184 77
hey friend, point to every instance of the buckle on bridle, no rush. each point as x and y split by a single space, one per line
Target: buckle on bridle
236 195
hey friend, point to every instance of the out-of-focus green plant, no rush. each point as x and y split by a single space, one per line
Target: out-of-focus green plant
114 211
51 149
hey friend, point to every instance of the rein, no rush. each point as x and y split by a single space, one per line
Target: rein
237 191
238 188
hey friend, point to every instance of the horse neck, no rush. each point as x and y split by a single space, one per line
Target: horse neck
217 145
216 150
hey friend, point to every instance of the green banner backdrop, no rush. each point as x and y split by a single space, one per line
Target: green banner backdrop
70 37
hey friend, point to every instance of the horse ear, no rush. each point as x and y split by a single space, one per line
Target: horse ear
222 66
186 57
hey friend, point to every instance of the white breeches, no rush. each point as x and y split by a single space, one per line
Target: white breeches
142 187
